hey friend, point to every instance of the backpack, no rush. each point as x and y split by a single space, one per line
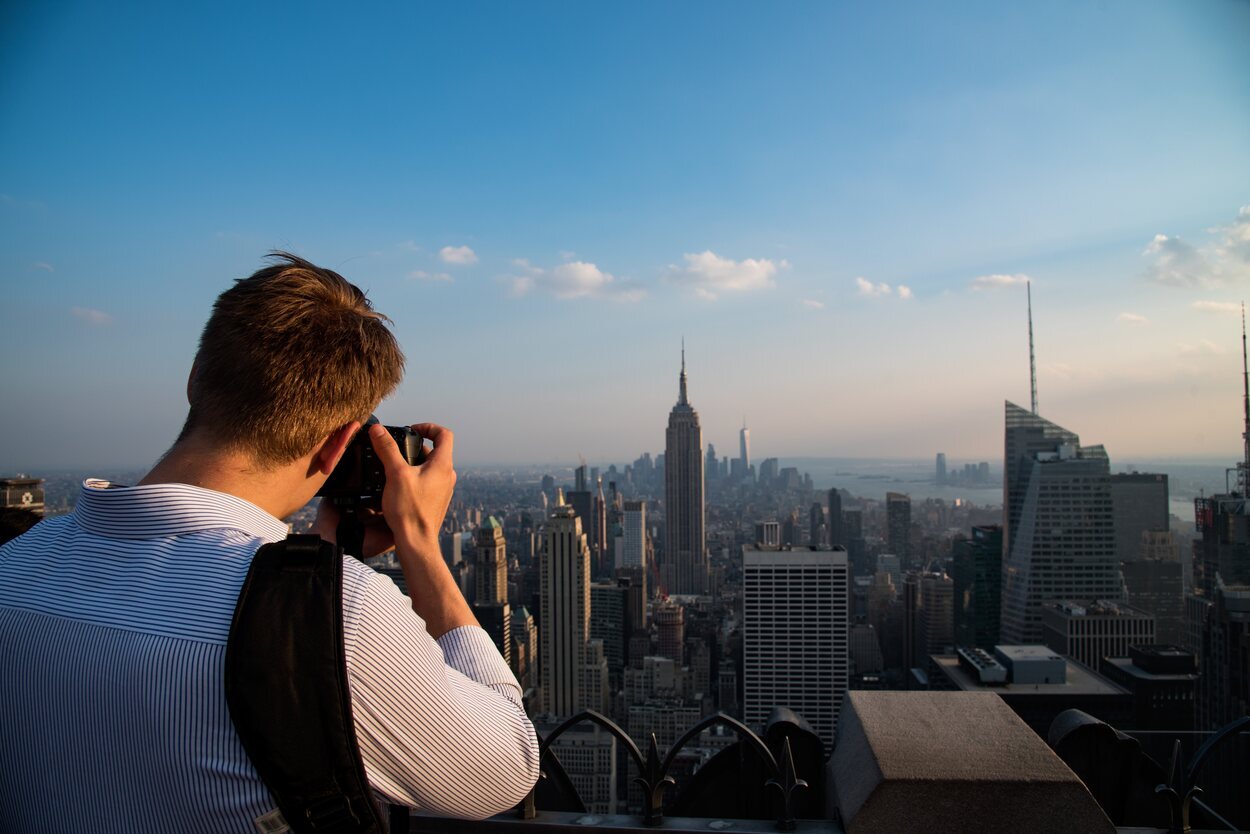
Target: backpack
287 692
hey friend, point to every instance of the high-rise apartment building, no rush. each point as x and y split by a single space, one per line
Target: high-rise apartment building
564 619
898 527
684 567
795 633
1059 540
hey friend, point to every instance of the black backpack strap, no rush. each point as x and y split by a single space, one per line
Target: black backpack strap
286 687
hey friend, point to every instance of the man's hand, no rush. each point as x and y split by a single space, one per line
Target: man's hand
415 498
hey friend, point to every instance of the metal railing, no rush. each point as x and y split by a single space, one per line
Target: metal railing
653 771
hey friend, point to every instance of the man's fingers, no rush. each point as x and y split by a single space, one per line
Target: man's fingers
385 447
442 438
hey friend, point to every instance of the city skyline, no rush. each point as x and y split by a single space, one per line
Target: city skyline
835 207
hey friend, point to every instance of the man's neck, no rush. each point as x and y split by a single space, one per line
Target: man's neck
276 490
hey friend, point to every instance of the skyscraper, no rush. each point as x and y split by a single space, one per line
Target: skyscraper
744 448
837 526
564 622
1139 504
491 563
599 532
795 634
1219 609
684 569
490 602
898 527
978 585
633 551
1059 540
940 474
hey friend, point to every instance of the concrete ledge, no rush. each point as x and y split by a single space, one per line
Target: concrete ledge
943 762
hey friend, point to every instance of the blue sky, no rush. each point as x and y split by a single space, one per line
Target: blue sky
833 203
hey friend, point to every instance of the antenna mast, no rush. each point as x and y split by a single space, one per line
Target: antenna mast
1245 434
1028 288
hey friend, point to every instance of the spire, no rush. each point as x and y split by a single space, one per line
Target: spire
559 496
1245 434
1028 287
681 396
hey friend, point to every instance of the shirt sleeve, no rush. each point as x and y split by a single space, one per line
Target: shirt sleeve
440 724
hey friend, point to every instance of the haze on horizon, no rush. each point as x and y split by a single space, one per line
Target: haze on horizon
836 207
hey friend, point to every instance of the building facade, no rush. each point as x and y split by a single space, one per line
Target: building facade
796 634
564 618
1089 631
1059 541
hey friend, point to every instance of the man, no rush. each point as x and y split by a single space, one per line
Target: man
114 619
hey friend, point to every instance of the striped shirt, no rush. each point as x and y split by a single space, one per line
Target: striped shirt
113 628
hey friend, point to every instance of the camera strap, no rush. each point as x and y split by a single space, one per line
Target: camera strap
287 691
350 532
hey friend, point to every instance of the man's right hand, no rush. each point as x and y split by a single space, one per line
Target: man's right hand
415 498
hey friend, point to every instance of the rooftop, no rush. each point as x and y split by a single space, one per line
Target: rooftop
1080 680
937 761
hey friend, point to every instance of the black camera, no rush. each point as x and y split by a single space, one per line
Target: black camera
358 478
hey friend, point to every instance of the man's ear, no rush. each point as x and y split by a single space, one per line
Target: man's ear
333 447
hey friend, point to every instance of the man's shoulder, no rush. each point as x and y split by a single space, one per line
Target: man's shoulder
181 587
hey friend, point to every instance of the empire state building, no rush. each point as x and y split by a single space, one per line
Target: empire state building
684 568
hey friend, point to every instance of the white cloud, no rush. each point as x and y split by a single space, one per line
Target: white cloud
577 279
1132 318
459 255
868 288
91 316
709 274
1178 264
995 282
568 255
522 263
422 275
44 265
813 304
1206 346
1231 307
1225 261
904 292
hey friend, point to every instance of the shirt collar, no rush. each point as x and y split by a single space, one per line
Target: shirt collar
161 510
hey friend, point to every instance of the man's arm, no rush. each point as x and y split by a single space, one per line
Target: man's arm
437 711
440 723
